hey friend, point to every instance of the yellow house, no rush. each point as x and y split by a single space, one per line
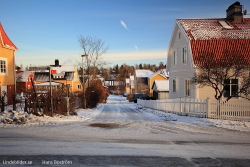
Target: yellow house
153 78
144 80
64 74
7 66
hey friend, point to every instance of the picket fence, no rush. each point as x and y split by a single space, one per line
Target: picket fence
203 108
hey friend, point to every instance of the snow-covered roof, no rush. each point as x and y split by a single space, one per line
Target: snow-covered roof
143 73
210 36
63 68
163 72
161 85
22 76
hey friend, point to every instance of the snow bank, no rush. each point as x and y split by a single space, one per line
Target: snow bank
226 124
20 118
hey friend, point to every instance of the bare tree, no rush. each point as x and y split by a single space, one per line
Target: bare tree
94 48
227 74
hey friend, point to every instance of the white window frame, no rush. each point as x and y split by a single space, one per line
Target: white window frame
187 87
231 84
79 86
175 57
5 66
174 85
184 55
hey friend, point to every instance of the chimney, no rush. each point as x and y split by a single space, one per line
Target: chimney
234 12
56 62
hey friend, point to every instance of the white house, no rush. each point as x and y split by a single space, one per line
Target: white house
160 89
192 37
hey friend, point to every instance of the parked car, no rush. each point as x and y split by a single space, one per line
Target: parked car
125 95
141 96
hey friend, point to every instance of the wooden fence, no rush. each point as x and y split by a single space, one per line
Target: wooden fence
204 108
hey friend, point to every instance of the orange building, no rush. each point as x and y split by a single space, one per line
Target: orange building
7 66
66 75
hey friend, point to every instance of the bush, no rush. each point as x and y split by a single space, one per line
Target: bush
95 94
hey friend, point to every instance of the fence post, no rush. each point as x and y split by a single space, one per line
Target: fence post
180 107
208 108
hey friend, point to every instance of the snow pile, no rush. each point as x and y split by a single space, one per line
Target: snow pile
23 118
14 117
18 118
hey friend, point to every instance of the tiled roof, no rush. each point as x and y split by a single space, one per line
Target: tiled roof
209 36
5 39
220 48
44 76
207 29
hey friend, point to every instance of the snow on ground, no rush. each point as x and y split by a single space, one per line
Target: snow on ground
87 114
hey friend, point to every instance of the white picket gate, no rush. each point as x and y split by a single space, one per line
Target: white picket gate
232 110
205 108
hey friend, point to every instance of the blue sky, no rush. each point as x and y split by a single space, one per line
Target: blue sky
45 30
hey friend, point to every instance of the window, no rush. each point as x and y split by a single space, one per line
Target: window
3 67
187 85
231 87
179 35
184 55
175 58
79 86
174 85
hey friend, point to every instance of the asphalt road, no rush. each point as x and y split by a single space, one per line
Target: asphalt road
104 161
121 135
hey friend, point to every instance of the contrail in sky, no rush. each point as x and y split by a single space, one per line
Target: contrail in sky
136 47
123 24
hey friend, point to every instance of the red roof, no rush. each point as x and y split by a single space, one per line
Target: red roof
209 36
5 39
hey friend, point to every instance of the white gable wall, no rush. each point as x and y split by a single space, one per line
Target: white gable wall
181 71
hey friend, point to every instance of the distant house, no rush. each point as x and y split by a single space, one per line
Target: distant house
160 89
66 75
7 66
142 81
159 75
130 88
192 37
24 81
114 85
127 85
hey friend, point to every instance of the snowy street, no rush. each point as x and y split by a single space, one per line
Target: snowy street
119 133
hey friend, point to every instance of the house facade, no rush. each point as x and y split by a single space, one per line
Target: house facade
66 75
142 81
7 66
193 37
24 81
158 76
160 89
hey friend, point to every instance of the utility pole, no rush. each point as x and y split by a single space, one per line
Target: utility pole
50 87
83 84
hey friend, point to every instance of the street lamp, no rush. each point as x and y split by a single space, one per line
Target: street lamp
83 84
85 55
